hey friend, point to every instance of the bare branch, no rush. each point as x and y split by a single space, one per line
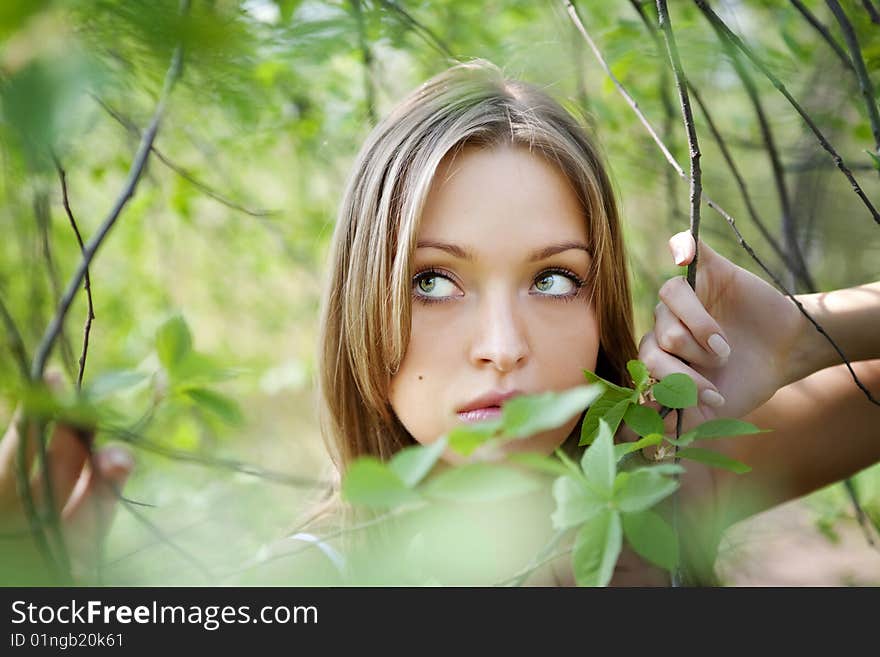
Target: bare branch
367 55
88 282
867 89
203 187
824 32
134 175
43 220
696 182
793 250
423 30
872 11
16 344
715 20
212 461
572 10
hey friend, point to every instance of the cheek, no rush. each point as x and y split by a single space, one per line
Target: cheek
565 342
418 389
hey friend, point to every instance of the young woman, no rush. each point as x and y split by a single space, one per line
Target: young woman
478 255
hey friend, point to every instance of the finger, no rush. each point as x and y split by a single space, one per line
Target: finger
684 304
661 364
674 338
68 451
93 500
682 247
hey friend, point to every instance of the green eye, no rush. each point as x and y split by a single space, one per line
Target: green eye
431 285
556 284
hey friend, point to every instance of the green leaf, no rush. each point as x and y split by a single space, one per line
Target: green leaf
465 438
623 449
223 407
610 408
480 482
714 459
643 420
575 502
173 342
722 427
875 159
530 414
370 482
411 464
112 382
662 468
595 378
540 463
598 462
568 463
641 489
676 391
596 549
639 373
652 538
684 439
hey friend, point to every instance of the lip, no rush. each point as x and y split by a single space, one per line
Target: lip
486 407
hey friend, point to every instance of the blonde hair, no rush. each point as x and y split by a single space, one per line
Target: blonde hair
365 320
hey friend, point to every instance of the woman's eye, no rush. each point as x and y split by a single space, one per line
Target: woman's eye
555 284
434 286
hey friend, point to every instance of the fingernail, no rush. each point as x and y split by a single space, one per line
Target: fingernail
678 254
118 458
712 398
719 345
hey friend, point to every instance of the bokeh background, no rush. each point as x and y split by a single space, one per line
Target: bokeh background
224 243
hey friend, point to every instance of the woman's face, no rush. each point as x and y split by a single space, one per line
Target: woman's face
501 301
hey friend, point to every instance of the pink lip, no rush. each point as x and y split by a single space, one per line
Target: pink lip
486 407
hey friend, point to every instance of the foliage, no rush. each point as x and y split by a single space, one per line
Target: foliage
223 244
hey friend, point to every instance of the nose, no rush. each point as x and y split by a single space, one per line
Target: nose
500 339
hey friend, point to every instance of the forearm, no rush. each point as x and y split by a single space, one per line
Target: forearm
850 316
823 429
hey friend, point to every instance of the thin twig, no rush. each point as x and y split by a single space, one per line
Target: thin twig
668 110
367 55
203 187
872 11
543 557
740 181
865 85
88 282
213 461
572 10
696 177
134 175
44 220
423 30
793 249
715 20
16 344
824 32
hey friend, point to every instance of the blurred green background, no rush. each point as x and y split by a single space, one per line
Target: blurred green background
224 243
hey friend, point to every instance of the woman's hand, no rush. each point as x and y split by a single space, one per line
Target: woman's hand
737 335
85 491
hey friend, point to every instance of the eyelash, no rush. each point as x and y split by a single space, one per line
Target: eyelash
574 278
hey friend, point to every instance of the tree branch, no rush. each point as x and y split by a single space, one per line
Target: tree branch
16 344
838 160
867 89
872 11
788 225
575 16
824 32
88 282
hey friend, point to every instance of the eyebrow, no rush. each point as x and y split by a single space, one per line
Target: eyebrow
534 256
